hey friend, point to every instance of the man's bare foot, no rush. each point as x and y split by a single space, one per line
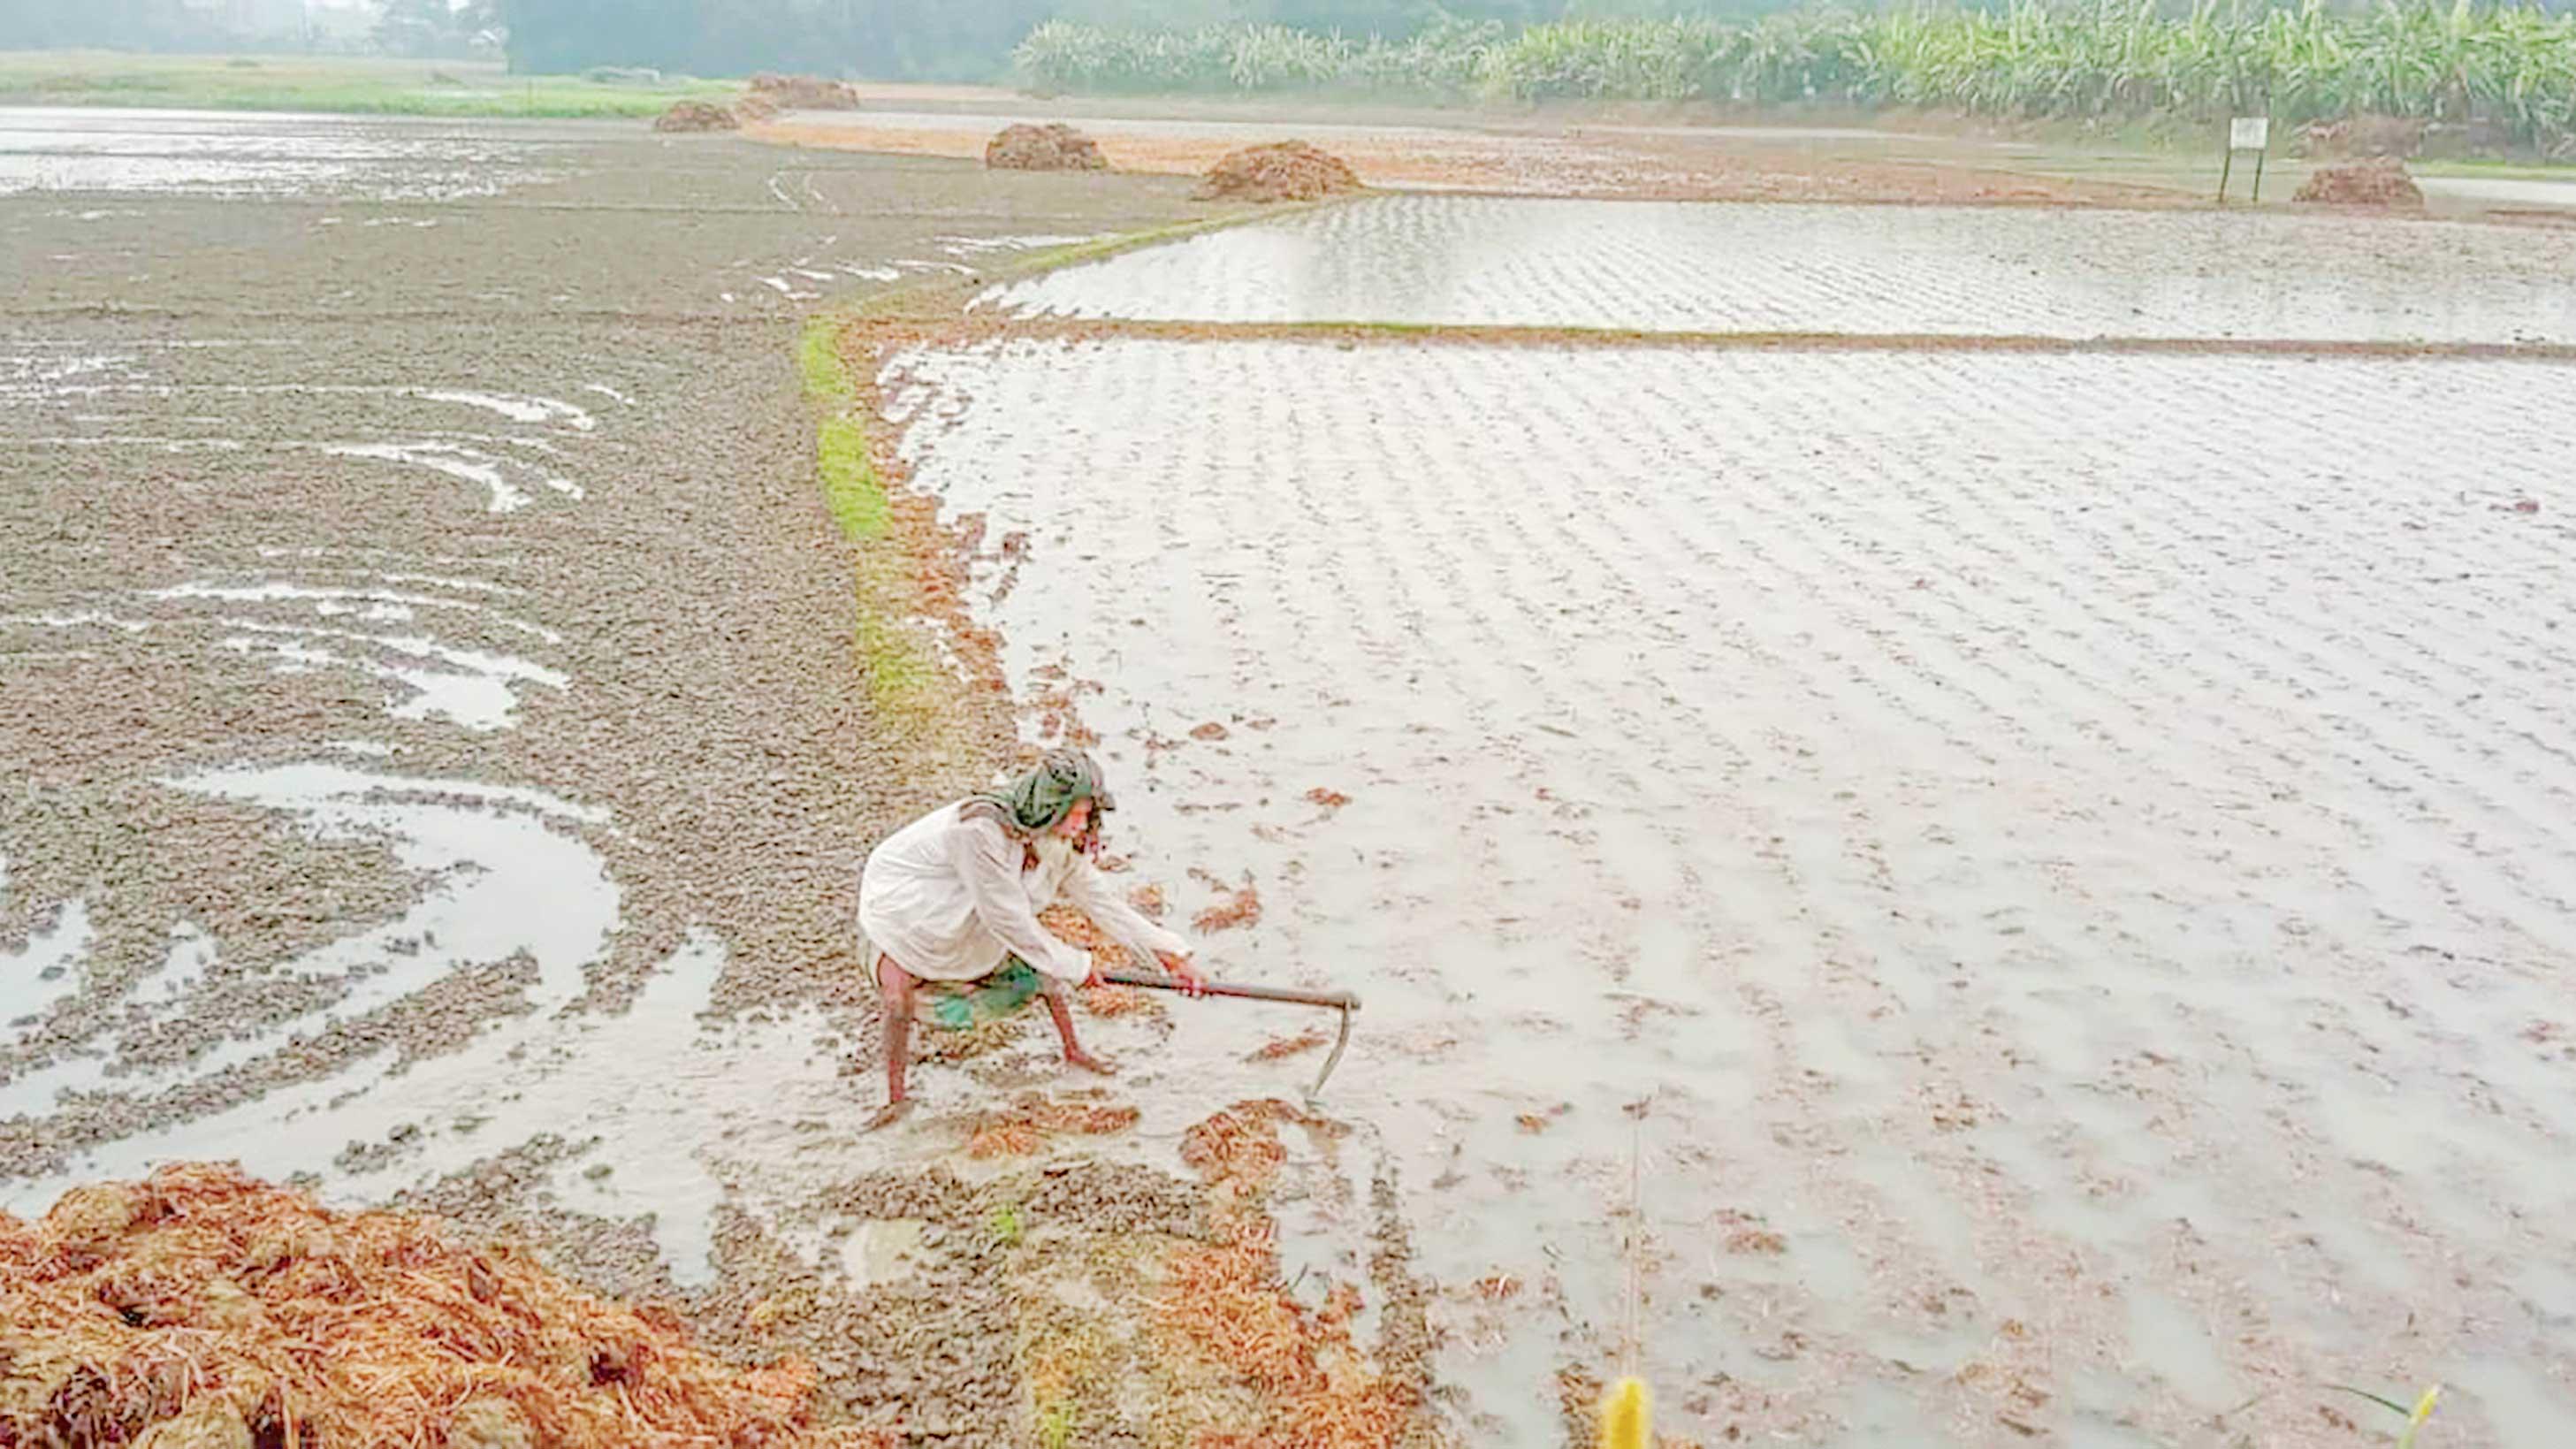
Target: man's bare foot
888 1115
1077 1057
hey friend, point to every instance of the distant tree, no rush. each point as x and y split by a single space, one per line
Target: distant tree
556 36
129 24
413 27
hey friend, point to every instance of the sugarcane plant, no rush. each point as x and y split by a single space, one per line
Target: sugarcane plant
2505 66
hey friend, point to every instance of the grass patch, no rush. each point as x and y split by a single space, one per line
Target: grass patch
851 488
349 85
902 680
818 361
2491 170
1005 1226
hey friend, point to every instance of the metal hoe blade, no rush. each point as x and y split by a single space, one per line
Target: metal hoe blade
1340 1040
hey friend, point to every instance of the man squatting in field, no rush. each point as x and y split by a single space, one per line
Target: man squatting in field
949 909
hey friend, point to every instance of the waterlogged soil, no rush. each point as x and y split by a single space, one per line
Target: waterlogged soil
2044 876
582 221
72 149
2036 872
438 754
1680 267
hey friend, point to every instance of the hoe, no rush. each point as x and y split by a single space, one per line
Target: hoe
1343 1002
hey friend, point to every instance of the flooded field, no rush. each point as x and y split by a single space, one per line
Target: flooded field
1685 267
261 216
2070 853
194 153
425 675
2042 876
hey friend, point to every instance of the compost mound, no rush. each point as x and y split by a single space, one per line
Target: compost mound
1053 147
806 92
1281 171
201 1307
2381 182
755 106
696 116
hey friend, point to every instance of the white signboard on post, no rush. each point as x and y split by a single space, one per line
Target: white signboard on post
2245 133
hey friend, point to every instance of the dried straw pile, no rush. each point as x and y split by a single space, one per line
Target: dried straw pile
806 92
1052 147
2381 182
687 116
1279 171
202 1308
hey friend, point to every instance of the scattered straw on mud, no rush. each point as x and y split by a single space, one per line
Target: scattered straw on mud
1106 999
202 1307
951 1045
696 116
1280 171
1075 928
1115 1001
2379 182
1226 1302
1071 925
805 92
1052 147
1535 1122
1280 1048
1239 906
1025 1125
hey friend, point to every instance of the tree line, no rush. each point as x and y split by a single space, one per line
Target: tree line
912 39
1519 47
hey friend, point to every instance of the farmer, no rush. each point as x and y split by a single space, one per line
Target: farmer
949 904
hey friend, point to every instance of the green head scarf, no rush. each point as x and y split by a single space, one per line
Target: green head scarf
1038 799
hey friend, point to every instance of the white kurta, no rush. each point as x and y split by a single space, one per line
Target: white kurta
950 898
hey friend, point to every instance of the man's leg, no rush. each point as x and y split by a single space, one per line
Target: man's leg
1060 1010
894 992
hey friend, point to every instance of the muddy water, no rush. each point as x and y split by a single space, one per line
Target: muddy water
1677 266
2072 852
204 153
414 630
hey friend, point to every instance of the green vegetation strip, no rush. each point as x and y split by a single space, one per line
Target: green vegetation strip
354 86
2506 66
902 681
852 490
